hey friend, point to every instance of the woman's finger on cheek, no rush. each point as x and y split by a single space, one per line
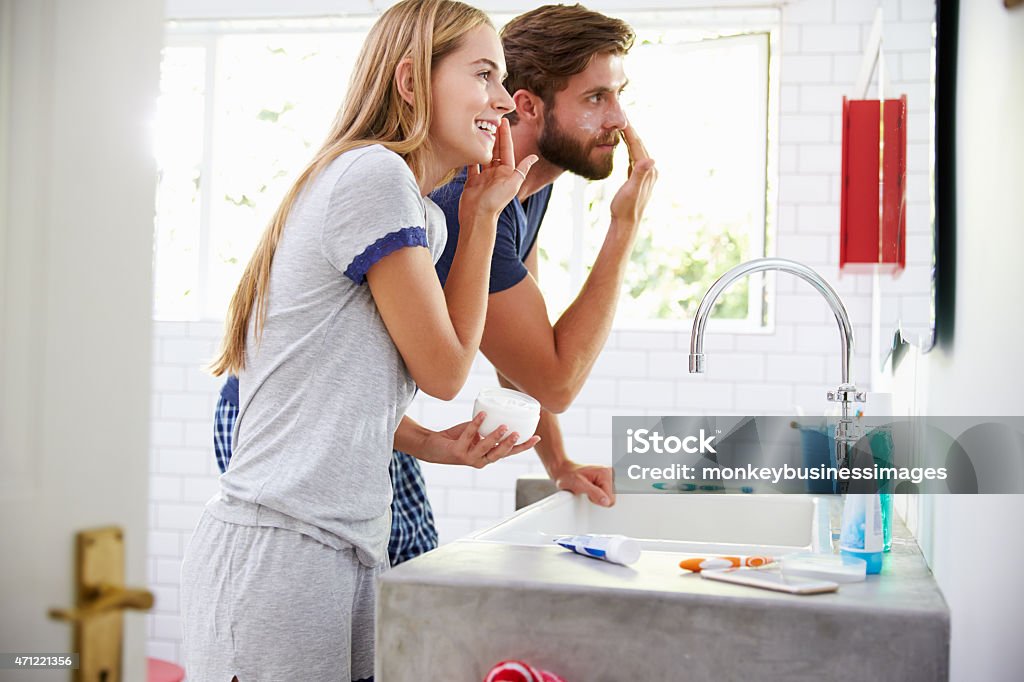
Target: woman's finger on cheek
508 153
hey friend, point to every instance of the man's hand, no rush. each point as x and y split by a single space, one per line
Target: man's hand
630 201
594 481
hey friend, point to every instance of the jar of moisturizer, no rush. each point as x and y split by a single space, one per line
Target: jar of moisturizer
518 411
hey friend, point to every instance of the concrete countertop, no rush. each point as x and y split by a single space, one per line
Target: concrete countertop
592 620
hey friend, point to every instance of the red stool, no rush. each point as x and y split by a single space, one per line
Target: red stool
163 671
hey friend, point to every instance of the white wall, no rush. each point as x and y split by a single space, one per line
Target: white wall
640 371
981 372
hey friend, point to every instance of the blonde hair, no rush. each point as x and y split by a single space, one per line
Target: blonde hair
374 112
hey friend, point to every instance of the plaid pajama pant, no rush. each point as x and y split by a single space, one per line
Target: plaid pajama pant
412 520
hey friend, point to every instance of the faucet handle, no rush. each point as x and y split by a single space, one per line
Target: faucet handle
846 393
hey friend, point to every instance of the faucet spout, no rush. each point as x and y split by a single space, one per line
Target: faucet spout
846 431
805 273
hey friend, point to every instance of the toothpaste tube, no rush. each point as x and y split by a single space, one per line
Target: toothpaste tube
618 549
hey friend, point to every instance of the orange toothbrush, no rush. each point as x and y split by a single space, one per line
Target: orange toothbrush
709 563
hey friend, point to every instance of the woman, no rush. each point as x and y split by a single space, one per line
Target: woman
337 318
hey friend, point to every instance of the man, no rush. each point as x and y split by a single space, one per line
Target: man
566 77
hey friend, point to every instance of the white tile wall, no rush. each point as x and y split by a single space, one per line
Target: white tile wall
640 371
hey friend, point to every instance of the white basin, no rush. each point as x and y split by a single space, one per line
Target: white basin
685 523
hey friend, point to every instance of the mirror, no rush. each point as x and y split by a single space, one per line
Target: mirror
918 55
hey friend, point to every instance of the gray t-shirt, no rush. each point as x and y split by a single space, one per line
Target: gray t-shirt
324 389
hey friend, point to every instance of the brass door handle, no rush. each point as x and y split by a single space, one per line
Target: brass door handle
106 599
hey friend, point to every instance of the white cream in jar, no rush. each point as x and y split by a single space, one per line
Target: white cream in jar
518 411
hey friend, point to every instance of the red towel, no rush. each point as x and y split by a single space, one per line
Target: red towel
519 671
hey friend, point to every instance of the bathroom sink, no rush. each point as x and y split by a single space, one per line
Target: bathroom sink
684 523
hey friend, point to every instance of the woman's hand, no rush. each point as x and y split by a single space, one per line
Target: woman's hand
462 444
489 188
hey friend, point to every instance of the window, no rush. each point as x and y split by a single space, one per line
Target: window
244 105
702 109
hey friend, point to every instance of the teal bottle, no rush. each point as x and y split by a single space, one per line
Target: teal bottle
881 452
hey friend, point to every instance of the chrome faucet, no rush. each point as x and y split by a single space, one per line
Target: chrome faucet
846 393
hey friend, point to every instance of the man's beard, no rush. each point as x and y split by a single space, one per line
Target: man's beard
557 146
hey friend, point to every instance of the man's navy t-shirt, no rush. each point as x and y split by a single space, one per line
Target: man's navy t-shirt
518 225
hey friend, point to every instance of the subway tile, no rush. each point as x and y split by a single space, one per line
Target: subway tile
173 461
854 12
811 250
906 35
172 516
705 396
199 434
168 378
916 66
168 572
199 380
170 330
846 69
166 601
764 398
601 420
438 498
789 158
789 100
640 393
473 503
199 488
597 392
447 476
165 433
804 189
499 476
806 69
183 406
574 420
209 330
917 11
650 340
818 339
795 129
439 415
794 369
734 366
165 651
451 528
194 352
620 363
164 544
669 364
787 215
820 158
777 341
589 449
165 488
802 308
821 219
830 39
811 399
807 11
822 99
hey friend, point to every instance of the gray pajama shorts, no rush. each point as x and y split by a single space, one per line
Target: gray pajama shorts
262 603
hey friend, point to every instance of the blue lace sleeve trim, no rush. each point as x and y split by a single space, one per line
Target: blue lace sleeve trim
389 243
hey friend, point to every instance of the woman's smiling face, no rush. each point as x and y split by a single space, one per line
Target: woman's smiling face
469 100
